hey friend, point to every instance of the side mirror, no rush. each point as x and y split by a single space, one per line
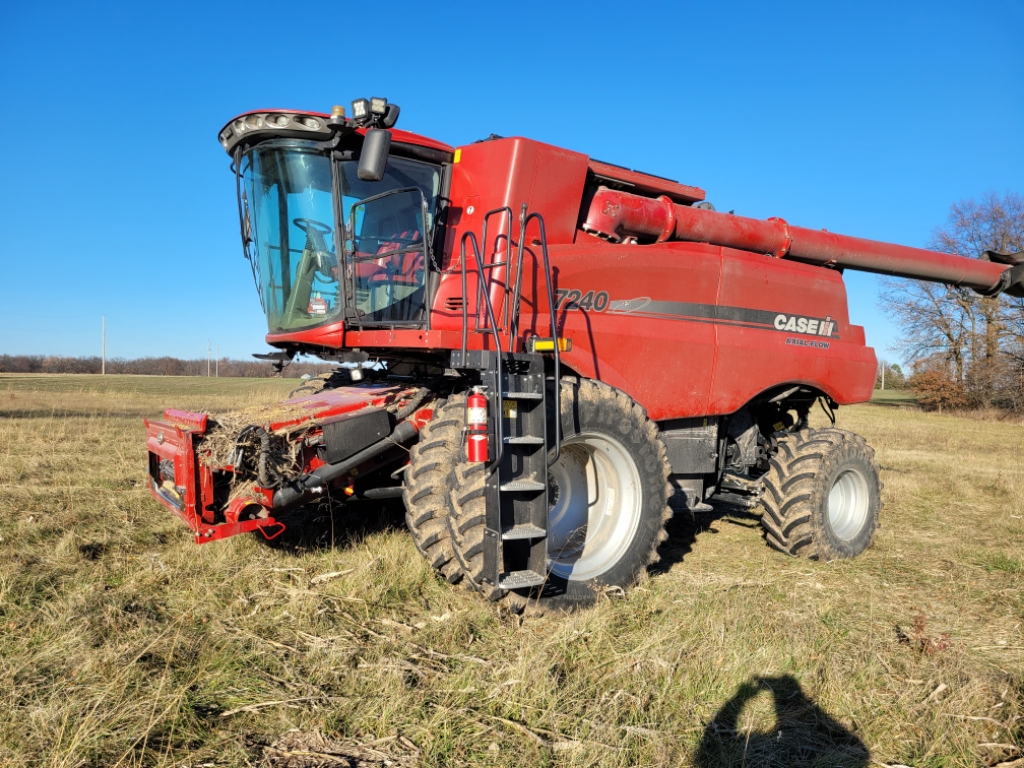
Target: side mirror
373 158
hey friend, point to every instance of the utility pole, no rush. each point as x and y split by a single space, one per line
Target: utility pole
216 366
207 358
103 349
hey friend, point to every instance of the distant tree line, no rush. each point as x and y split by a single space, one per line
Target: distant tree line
156 366
966 351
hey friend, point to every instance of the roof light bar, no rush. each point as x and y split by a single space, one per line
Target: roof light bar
375 112
288 124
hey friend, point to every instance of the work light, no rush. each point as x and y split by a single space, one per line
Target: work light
378 105
360 109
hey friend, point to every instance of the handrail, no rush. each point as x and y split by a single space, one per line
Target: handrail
483 238
552 457
497 342
525 220
513 327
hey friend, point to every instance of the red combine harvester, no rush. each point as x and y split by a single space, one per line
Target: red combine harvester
537 350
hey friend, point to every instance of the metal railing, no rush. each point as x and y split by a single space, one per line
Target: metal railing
510 320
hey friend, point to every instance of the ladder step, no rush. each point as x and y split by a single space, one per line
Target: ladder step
523 532
527 440
520 579
522 485
523 395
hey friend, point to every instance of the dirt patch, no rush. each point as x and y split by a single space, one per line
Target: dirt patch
92 550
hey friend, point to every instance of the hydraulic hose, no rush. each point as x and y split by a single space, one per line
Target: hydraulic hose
268 476
409 408
317 481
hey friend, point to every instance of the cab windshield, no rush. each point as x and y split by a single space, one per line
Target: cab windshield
288 223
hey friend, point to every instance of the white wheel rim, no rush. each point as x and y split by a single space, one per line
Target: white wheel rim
848 504
595 506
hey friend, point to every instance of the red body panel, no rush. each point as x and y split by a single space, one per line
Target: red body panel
665 363
754 359
690 330
336 402
330 336
494 174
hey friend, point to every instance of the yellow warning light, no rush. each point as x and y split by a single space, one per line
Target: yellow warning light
337 111
548 345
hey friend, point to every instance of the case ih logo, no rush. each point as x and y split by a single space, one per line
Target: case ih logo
814 326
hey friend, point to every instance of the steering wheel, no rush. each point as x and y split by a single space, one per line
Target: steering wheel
312 224
315 231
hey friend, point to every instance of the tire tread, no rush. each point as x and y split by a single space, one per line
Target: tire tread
432 465
794 501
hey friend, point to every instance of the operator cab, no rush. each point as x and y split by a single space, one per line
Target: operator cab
325 242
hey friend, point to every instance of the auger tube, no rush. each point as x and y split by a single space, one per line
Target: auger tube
617 215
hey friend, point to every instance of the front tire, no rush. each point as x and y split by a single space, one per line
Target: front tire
428 482
822 495
608 501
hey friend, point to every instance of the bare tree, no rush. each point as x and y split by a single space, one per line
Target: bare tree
980 341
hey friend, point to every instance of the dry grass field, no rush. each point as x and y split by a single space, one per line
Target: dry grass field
122 643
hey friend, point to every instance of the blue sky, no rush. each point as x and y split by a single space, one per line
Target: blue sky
865 118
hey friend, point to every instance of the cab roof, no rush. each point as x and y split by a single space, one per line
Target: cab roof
300 123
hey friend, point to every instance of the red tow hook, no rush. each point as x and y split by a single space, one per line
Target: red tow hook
271 536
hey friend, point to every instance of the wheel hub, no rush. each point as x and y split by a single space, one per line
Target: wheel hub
595 506
848 504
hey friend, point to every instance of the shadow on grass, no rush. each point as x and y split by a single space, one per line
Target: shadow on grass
333 524
803 733
686 525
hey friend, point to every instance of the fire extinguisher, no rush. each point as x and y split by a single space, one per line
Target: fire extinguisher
476 425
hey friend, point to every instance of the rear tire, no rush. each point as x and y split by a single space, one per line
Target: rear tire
822 495
610 483
428 482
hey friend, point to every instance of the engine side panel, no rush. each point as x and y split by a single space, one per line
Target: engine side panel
492 174
692 330
752 358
